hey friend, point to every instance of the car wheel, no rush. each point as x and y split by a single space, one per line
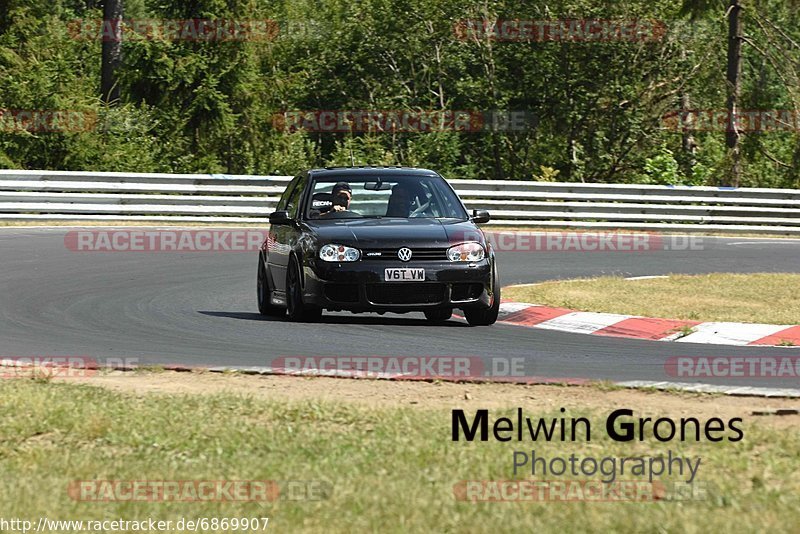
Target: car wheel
438 316
486 316
265 307
296 309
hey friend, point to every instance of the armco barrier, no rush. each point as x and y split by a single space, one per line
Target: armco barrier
99 196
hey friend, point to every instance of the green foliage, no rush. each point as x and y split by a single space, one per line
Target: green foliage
207 106
363 150
547 174
662 168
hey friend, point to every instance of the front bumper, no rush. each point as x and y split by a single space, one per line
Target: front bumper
360 286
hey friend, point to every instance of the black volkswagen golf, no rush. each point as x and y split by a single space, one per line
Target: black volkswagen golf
379 239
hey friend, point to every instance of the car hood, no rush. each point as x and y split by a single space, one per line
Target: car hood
391 233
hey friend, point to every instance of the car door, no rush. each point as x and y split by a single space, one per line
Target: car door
276 257
286 235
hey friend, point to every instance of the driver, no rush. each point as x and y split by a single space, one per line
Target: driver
404 197
399 202
341 195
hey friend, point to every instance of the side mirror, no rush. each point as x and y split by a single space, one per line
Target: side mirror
280 217
480 216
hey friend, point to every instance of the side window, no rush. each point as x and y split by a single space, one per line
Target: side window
293 205
286 194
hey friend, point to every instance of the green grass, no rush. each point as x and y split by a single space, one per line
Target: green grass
748 298
392 469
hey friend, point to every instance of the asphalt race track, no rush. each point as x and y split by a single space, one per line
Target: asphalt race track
200 309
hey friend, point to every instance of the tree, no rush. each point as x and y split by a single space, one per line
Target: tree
112 50
697 8
733 78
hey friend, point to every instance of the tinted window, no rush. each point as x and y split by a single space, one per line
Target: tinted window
293 203
286 194
389 196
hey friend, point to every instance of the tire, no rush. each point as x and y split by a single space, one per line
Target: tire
486 316
263 293
439 315
296 309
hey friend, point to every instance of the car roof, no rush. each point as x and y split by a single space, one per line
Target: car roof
370 170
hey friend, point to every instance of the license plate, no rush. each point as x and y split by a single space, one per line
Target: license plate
404 275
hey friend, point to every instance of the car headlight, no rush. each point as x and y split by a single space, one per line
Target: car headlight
466 252
334 252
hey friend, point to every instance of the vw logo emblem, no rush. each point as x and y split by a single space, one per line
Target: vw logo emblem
404 254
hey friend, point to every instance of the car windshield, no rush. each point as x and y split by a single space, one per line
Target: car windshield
406 197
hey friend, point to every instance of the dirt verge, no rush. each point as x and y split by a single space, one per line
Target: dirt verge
445 395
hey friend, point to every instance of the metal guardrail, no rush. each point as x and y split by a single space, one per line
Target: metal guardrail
107 196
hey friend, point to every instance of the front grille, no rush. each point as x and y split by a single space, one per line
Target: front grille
406 293
342 292
466 291
417 254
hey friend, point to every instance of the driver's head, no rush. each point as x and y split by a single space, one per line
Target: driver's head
401 192
399 201
344 192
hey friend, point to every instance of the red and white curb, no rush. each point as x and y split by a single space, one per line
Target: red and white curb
631 326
